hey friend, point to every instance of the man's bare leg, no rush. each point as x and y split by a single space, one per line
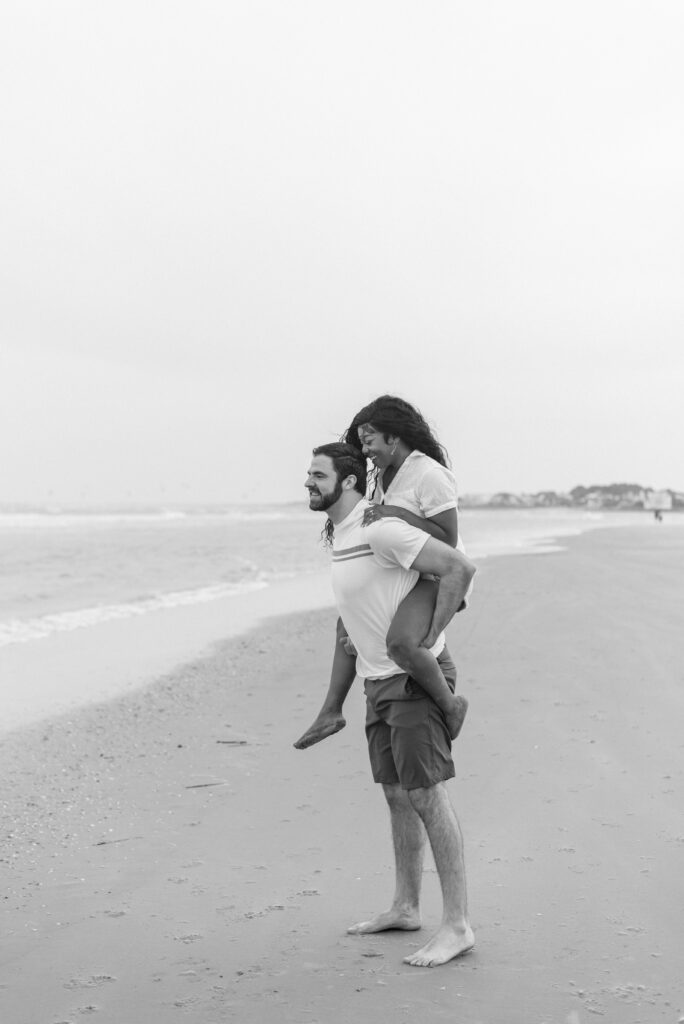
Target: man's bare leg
408 836
455 935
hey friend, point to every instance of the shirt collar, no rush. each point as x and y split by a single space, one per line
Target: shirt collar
356 513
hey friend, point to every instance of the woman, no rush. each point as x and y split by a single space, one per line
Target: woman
411 481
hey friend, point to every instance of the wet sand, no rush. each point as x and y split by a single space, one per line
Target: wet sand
169 856
112 658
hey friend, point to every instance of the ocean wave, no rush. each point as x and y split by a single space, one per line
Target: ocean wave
18 631
52 520
58 518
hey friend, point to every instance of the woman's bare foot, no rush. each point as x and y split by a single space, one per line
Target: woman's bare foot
456 715
403 920
326 724
445 945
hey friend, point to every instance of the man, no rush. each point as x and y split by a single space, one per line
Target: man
373 568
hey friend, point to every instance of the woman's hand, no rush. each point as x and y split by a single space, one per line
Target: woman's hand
375 512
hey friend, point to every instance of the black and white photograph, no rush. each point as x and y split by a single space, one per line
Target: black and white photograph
342 512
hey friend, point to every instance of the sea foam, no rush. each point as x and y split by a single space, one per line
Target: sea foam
17 631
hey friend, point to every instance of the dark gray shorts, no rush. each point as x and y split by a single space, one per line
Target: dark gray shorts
408 740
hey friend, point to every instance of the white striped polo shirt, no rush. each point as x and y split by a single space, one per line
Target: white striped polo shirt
371 576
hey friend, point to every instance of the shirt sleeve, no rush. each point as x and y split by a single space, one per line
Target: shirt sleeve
437 491
394 542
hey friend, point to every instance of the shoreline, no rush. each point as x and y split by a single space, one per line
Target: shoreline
174 857
119 656
56 674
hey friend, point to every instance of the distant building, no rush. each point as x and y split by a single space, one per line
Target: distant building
657 500
504 499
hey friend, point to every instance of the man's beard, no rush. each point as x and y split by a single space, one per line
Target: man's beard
325 500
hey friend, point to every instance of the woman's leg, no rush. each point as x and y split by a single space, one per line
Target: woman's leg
409 627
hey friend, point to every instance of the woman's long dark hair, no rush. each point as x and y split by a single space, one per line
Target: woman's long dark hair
393 416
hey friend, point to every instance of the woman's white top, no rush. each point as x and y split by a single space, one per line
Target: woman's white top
422 486
426 488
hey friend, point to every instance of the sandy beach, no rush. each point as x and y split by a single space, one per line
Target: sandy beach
168 856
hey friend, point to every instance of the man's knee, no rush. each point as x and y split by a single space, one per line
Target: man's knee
425 798
395 796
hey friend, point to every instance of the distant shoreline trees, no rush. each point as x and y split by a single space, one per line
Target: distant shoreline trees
597 496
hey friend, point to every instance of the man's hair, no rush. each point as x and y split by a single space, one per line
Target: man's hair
347 461
393 416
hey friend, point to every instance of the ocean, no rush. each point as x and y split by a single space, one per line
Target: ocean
71 570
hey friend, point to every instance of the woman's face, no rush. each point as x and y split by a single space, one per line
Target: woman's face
374 446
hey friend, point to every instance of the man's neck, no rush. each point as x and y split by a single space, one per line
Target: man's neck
347 501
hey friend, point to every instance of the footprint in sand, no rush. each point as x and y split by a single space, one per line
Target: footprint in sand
192 976
92 982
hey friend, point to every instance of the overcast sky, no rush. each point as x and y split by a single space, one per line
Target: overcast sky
226 226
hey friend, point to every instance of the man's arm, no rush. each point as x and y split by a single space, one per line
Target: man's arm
455 572
330 718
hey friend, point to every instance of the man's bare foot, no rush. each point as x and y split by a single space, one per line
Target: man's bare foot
324 726
445 945
456 716
403 920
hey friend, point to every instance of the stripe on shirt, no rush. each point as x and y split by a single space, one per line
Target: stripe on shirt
344 554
